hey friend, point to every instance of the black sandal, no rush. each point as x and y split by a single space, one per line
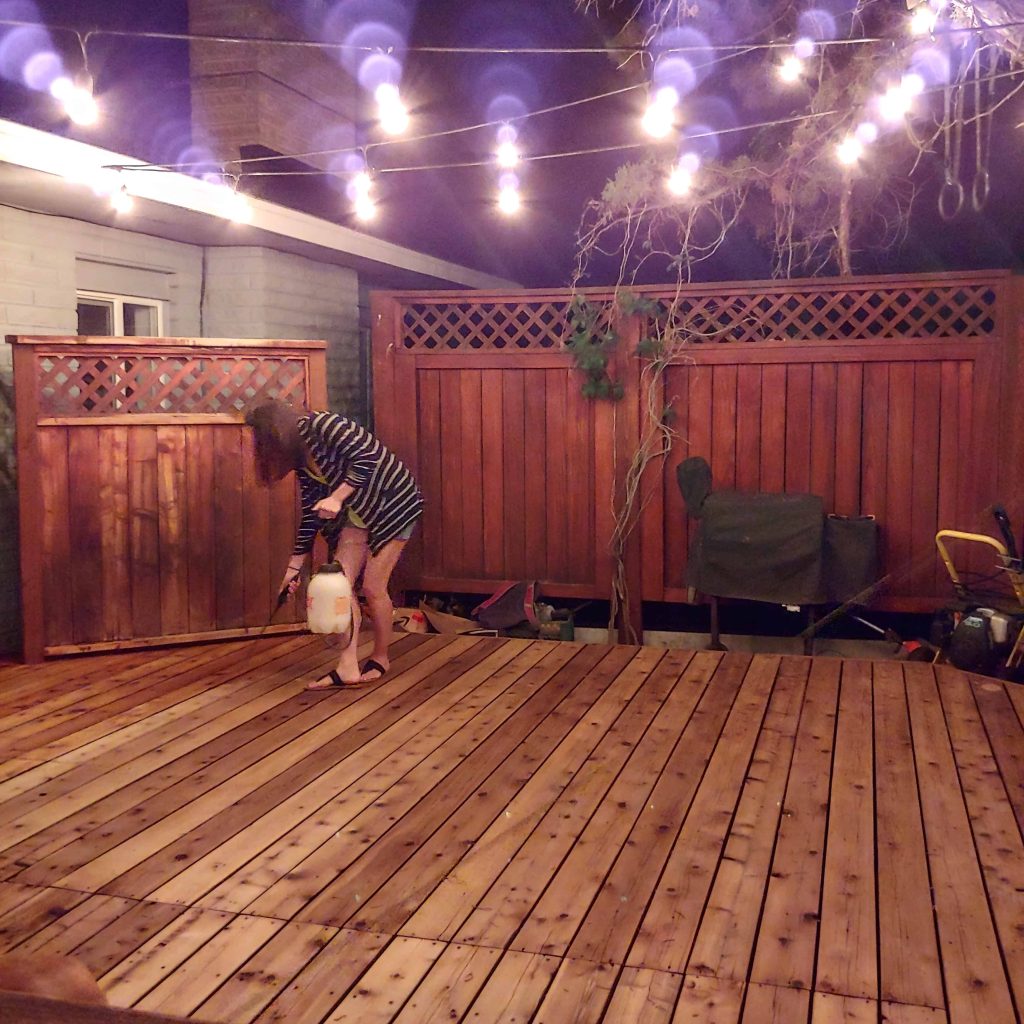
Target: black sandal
336 682
372 665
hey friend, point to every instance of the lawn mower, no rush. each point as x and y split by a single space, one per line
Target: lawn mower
983 630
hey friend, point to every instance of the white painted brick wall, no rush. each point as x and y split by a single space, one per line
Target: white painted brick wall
260 293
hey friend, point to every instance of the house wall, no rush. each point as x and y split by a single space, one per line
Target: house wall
258 293
247 293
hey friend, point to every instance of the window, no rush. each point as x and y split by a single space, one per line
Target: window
119 316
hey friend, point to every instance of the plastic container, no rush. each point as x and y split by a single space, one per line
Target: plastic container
329 600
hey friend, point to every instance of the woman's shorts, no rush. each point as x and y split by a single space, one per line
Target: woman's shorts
358 522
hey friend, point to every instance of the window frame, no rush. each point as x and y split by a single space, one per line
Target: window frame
118 302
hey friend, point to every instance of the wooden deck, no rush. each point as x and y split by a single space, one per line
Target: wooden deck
519 831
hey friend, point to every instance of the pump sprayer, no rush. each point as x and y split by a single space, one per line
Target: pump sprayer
329 600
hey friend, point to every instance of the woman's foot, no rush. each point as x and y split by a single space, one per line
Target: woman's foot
332 681
373 669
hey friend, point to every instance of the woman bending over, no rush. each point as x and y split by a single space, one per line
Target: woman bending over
359 495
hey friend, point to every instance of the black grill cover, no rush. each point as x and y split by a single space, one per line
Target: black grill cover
851 556
761 547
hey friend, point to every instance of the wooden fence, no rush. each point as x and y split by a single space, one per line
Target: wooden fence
896 397
141 518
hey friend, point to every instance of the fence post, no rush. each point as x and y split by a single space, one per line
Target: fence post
1010 465
30 498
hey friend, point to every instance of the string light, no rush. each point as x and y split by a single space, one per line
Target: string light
237 207
849 151
391 111
359 191
898 100
509 201
660 116
923 20
77 100
364 208
121 201
680 178
791 69
507 154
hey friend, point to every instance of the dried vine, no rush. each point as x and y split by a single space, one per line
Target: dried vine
786 188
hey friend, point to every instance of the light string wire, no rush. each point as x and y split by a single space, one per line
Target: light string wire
529 158
424 136
731 51
485 50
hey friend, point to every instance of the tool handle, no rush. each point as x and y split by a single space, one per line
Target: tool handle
285 592
1003 521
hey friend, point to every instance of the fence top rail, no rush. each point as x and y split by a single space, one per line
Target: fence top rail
712 289
143 344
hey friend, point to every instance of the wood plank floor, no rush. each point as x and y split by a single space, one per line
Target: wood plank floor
507 830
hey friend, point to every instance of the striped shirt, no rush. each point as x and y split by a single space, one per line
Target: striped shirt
386 497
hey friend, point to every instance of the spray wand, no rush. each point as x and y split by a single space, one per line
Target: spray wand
282 599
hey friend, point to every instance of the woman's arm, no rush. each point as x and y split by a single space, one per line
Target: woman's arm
330 507
354 445
310 522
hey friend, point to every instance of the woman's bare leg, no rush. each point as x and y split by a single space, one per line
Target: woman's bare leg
352 552
376 577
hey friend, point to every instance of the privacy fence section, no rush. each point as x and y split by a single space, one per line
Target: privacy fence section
894 397
141 518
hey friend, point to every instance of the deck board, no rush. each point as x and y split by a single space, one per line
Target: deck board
518 831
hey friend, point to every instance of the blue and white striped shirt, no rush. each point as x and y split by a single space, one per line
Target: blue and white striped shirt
386 497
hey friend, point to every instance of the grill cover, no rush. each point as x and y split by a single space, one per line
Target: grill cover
761 547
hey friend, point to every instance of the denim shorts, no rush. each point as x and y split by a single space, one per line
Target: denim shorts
357 521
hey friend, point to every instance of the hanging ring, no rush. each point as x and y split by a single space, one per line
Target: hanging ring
980 189
952 193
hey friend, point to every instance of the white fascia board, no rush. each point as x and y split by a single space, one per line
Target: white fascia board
79 163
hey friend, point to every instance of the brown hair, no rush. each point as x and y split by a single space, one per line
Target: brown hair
278 444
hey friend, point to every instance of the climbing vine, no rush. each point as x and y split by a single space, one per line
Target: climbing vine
591 342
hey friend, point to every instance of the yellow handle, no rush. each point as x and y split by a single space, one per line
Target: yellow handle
1016 578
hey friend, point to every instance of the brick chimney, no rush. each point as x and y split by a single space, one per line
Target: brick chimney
277 98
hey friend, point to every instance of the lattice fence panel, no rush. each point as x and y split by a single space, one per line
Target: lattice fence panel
487 326
106 384
918 312
933 311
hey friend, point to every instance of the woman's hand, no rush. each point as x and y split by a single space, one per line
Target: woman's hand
293 574
328 508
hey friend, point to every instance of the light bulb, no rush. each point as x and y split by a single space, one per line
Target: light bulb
80 105
849 151
364 208
508 200
680 180
121 201
362 183
391 111
923 20
658 120
394 120
791 69
237 208
507 154
894 104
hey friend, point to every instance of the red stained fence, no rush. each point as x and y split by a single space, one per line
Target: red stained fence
141 518
896 397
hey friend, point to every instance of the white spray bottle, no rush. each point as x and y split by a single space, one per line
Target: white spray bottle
329 600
